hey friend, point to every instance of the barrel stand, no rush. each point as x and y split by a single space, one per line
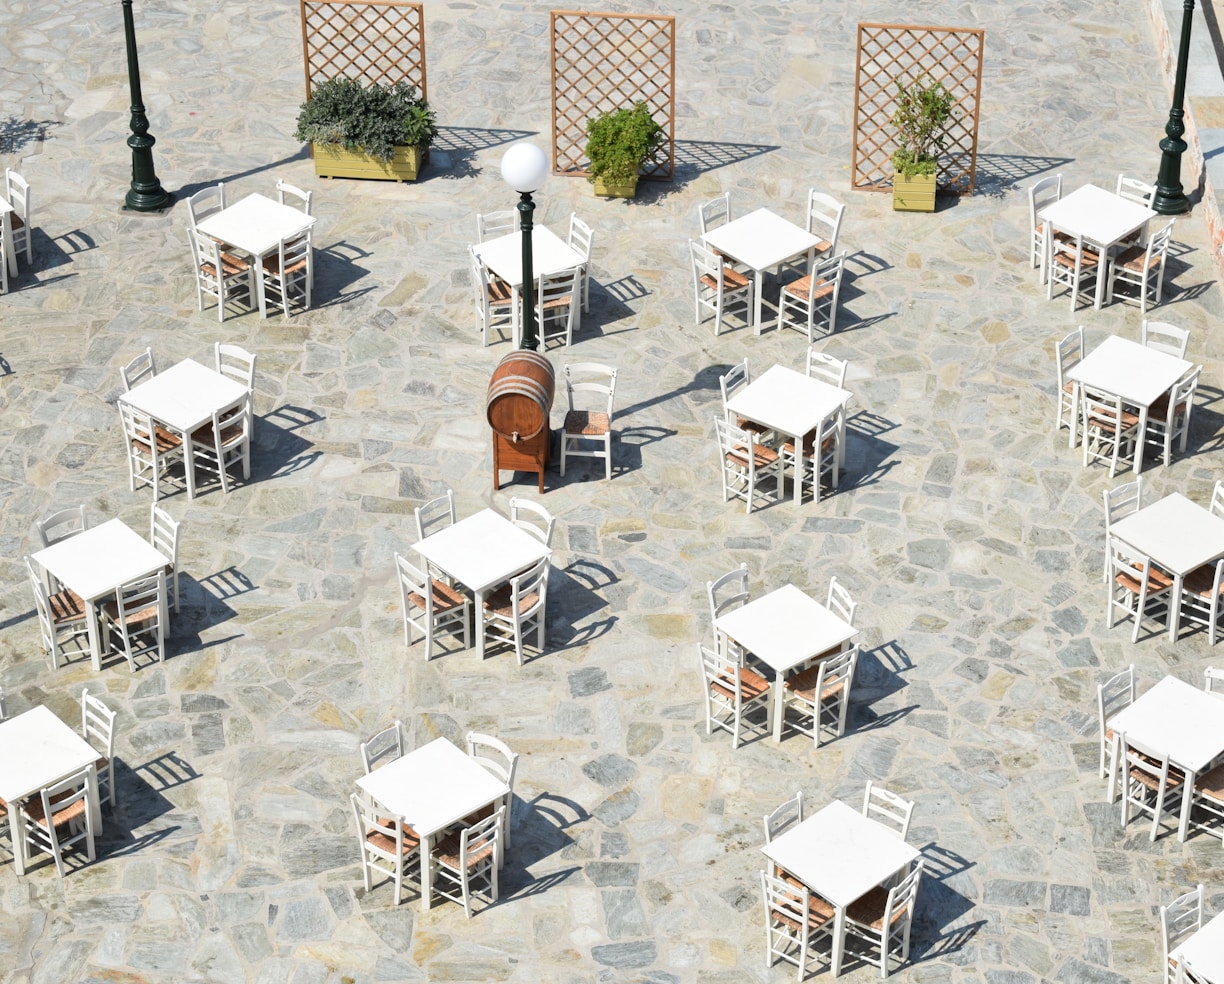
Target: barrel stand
526 455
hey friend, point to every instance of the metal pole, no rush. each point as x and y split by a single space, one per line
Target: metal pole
526 206
146 193
1169 198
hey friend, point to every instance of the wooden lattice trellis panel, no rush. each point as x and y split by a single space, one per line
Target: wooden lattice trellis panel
603 62
889 54
372 40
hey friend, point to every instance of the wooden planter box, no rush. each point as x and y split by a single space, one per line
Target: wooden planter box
336 161
604 190
916 194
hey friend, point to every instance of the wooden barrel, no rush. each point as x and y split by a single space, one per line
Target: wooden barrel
520 395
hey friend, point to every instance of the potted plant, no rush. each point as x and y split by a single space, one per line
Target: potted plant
360 131
618 143
924 110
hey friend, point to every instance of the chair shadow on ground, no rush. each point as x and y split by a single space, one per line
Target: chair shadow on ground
610 304
878 674
1206 424
277 449
869 457
336 269
573 595
939 907
540 831
204 604
143 815
184 192
461 144
998 174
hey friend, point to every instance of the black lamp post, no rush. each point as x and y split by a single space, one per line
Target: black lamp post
146 193
1169 198
524 167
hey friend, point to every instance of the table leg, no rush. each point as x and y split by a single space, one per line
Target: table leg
756 300
95 798
798 439
839 939
1174 618
478 605
1102 266
1140 440
1183 824
426 872
17 833
776 706
257 264
1075 403
95 635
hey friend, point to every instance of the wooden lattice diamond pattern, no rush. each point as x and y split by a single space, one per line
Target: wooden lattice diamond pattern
889 54
603 62
371 40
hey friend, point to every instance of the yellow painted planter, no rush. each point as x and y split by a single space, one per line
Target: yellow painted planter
336 161
914 194
604 190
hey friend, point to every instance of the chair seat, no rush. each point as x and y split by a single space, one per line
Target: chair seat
752 685
205 435
732 280
272 265
1175 779
1159 410
743 423
799 288
166 441
386 843
804 685
1089 259
1129 420
482 814
1157 581
499 292
809 444
764 456
1132 258
501 602
66 606
34 811
111 610
588 423
230 265
1211 784
869 910
1201 581
445 597
448 853
16 222
819 913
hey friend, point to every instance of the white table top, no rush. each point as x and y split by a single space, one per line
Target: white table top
787 401
433 786
1204 951
1127 369
96 561
1176 533
785 627
185 396
1175 717
1098 215
36 750
549 254
483 550
761 239
840 854
256 224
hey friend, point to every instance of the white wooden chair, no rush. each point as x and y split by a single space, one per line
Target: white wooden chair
824 219
840 602
61 525
516 607
726 593
735 378
163 535
1072 265
61 615
208 201
387 844
1185 973
827 368
1179 920
225 442
138 370
492 224
1142 266
1200 600
98 728
1113 695
1068 353
795 920
784 816
387 744
235 362
298 198
134 622
495 756
717 287
220 274
822 455
436 514
887 808
288 275
810 303
1164 337
1135 587
558 300
1207 796
1134 190
151 451
714 213
1040 194
21 219
581 238
586 432
1150 783
60 817
744 462
1169 417
1119 503
465 863
533 518
731 691
494 300
431 606
1110 429
883 918
821 695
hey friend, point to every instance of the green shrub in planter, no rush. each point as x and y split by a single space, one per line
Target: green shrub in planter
374 119
619 142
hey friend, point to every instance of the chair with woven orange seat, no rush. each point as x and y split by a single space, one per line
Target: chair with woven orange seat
288 275
151 451
726 593
1150 783
61 615
717 287
887 808
1142 267
821 695
558 299
59 817
1200 600
61 525
1113 695
388 845
590 390
220 274
497 758
736 378
1169 416
794 920
20 221
731 691
386 744
225 442
821 451
810 303
784 816
493 299
883 917
431 606
1072 264
98 728
134 622
1110 429
467 858
1207 796
1068 354
1179 920
519 605
1136 588
1120 502
1040 194
744 461
163 536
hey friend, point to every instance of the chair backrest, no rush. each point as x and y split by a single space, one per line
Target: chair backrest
494 754
1134 190
900 905
1102 409
1158 244
491 224
1164 337
140 368
97 724
1042 193
231 425
533 581
303 198
18 194
736 447
1140 757
733 379
1069 352
1213 680
581 237
61 525
1113 695
387 744
479 841
141 601
207 202
1181 397
728 591
237 363
1122 501
556 292
826 271
783 817
824 217
592 378
887 808
821 365
840 603
42 608
706 263
163 534
1180 918
1185 973
714 213
532 517
436 514
837 674
380 834
207 254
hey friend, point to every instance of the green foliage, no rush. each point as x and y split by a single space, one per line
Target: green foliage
618 142
924 110
375 118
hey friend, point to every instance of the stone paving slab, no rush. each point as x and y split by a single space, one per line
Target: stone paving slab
967 530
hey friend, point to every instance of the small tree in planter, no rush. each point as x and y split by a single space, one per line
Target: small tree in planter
618 143
924 110
358 131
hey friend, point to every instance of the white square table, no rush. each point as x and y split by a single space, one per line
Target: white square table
482 552
550 254
1098 216
183 398
433 787
257 225
1185 722
762 240
94 563
791 403
1177 534
38 750
1138 374
841 855
784 629
1204 951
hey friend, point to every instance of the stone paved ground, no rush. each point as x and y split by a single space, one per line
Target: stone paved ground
968 532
